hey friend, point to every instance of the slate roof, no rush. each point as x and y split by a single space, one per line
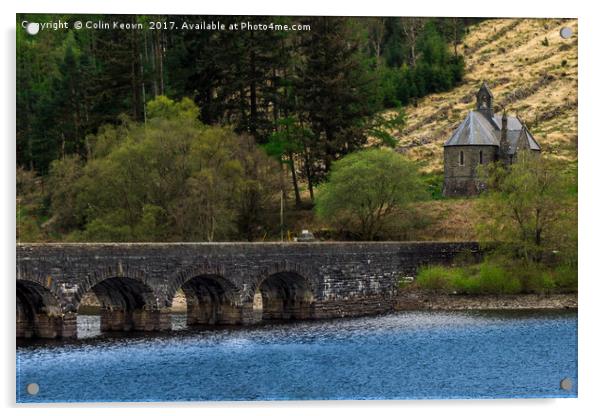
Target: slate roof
481 130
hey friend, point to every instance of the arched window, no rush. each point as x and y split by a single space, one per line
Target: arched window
481 157
461 158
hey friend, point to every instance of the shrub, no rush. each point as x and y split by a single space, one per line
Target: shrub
369 192
465 284
434 183
495 278
534 278
495 281
566 278
538 281
434 279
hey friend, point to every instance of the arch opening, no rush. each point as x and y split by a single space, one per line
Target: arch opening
209 300
39 314
283 296
118 304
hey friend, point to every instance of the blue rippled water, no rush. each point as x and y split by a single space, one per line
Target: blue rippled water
413 355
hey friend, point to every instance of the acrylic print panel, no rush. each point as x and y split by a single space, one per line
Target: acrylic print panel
291 208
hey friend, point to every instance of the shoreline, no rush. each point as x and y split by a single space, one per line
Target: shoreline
415 300
408 301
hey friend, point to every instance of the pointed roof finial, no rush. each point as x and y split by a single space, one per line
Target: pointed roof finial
485 100
485 86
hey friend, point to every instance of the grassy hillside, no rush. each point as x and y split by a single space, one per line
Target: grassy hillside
532 72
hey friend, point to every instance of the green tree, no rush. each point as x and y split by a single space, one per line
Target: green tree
206 210
171 178
261 183
530 207
30 206
368 190
286 144
336 91
62 179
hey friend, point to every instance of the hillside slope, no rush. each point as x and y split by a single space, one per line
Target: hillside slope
532 72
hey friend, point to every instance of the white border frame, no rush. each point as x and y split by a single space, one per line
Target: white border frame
590 22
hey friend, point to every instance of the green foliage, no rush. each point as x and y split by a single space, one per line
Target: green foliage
287 140
494 280
335 77
63 177
496 277
487 279
435 279
434 184
389 80
368 190
449 280
336 91
435 70
31 210
566 278
383 126
169 179
70 83
28 227
466 283
165 108
532 210
95 122
286 144
537 281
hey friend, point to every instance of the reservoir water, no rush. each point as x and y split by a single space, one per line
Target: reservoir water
406 355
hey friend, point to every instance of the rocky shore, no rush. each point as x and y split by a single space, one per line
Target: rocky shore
425 301
416 300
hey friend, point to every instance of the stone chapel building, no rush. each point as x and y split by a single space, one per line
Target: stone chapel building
482 137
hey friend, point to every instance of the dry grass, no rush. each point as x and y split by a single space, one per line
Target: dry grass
535 81
449 220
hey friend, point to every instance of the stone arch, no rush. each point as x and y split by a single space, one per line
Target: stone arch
99 274
284 291
39 313
304 272
24 273
211 298
127 300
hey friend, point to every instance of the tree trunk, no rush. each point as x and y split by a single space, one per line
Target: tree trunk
308 174
253 97
295 184
135 75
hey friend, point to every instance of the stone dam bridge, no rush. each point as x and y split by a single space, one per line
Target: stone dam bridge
224 283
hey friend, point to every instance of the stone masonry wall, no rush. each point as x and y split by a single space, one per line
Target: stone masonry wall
345 278
462 180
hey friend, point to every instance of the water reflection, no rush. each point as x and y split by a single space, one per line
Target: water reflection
88 326
437 354
178 321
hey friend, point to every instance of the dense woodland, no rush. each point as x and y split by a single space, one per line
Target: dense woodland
140 100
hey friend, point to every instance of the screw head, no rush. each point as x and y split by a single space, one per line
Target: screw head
32 28
566 384
33 389
566 32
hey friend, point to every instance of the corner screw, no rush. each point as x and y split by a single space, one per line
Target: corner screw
33 389
566 384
